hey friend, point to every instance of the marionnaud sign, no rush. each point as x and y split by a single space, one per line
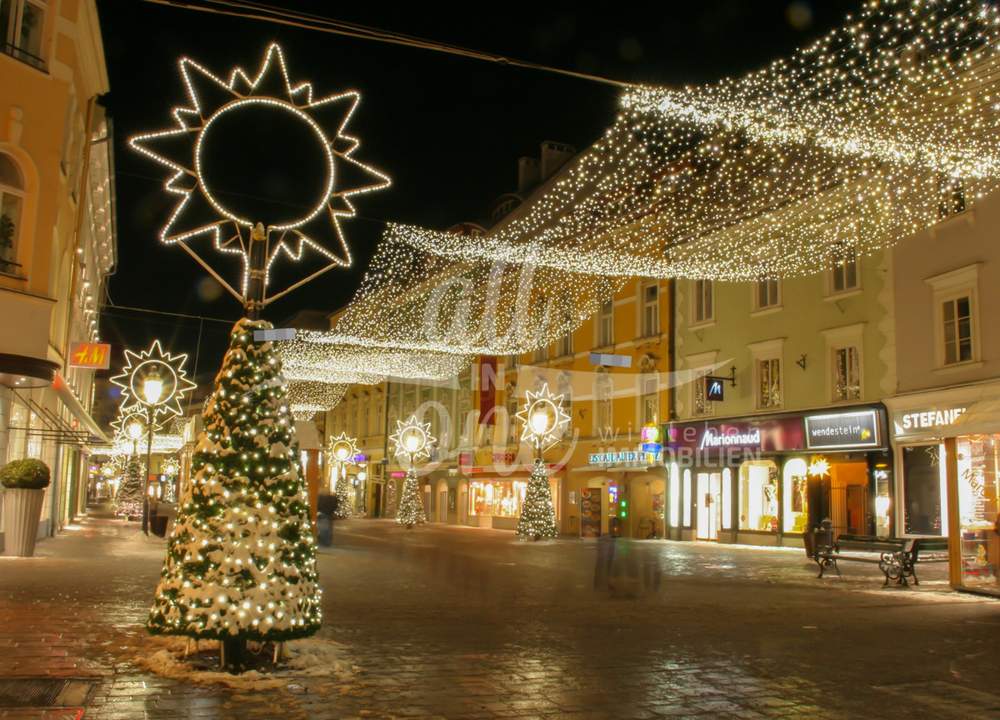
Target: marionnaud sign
904 423
839 431
714 438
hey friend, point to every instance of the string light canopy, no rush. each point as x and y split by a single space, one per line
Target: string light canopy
201 210
308 397
543 417
413 440
881 128
154 381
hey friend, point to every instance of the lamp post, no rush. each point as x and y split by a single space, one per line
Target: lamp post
412 440
342 451
152 391
544 420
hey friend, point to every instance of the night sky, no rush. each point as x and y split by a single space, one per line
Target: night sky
447 130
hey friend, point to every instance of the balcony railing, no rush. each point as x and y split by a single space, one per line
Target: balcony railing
23 55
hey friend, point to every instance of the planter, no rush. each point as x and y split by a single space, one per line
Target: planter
22 510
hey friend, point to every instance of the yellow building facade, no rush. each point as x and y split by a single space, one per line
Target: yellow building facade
57 237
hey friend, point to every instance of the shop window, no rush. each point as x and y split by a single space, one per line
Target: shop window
650 310
768 383
727 499
846 373
496 498
703 307
978 497
11 205
675 495
956 316
686 501
845 273
767 294
796 499
923 490
759 496
606 324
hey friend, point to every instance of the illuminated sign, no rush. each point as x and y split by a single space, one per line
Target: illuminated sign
621 457
904 423
715 388
713 438
94 356
842 430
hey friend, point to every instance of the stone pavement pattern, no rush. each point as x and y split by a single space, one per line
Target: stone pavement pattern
457 622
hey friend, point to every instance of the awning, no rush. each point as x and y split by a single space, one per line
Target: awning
78 411
23 372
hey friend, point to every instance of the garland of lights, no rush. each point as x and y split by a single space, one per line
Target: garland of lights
199 211
308 397
877 130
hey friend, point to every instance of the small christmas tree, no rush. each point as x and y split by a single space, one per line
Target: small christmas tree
128 501
538 515
241 560
411 506
343 490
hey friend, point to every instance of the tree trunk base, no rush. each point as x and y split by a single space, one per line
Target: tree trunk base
233 655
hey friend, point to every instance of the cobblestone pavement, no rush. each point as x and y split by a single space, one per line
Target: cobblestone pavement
458 622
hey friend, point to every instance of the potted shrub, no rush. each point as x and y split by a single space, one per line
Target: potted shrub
24 483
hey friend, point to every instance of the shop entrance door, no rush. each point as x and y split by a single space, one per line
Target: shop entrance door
709 505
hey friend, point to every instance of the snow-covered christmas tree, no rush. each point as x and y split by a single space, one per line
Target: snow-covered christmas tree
343 491
128 500
538 514
241 560
411 506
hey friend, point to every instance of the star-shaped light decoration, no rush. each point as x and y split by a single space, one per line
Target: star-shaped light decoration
201 210
342 448
413 439
125 420
154 382
544 418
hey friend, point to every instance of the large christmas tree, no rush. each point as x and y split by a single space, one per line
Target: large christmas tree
538 515
128 500
411 506
241 560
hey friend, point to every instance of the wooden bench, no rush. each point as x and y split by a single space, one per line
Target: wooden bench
897 558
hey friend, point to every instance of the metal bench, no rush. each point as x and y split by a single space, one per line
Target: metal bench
897 558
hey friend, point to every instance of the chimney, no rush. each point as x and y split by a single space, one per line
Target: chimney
527 174
554 156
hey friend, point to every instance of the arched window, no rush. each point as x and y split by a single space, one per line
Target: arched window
11 205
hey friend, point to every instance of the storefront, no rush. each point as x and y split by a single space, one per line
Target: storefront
948 455
766 480
491 496
619 492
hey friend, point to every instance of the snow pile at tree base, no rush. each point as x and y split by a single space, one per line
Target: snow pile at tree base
304 659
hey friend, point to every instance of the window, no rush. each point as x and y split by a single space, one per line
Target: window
512 407
21 26
768 383
759 496
565 388
650 399
364 418
924 490
727 499
11 203
675 495
796 497
566 345
686 502
542 353
606 324
766 295
845 272
703 308
952 194
846 374
956 315
650 310
603 392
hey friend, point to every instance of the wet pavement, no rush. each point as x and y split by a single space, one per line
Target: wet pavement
460 622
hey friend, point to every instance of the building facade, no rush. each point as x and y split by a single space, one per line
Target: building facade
57 237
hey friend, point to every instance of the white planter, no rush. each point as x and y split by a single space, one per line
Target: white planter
22 510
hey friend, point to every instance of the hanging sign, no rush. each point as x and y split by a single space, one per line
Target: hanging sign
715 388
93 356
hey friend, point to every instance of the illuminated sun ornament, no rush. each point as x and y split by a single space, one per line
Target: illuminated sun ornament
182 148
153 381
342 448
413 439
544 418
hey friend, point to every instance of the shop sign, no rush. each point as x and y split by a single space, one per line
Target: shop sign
504 458
905 423
716 438
778 434
620 457
715 388
842 430
93 356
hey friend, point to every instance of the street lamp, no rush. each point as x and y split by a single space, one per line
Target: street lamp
545 421
414 441
342 451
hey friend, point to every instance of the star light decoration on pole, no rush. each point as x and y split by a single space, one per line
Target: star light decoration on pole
341 451
413 440
543 417
201 212
153 382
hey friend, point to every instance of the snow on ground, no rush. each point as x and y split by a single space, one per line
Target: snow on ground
309 658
